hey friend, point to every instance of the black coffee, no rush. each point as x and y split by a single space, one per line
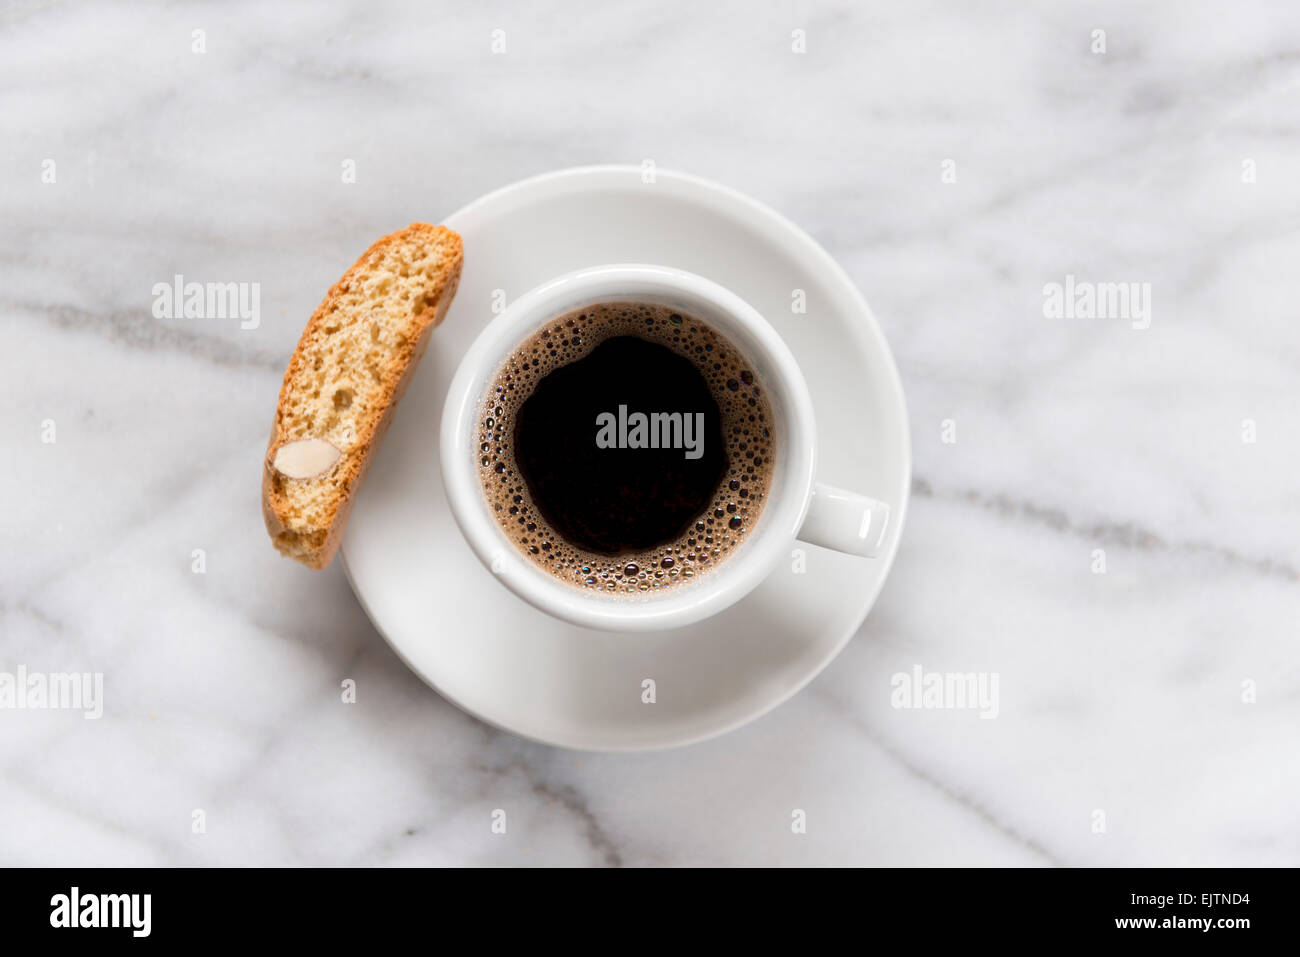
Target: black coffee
626 447
638 490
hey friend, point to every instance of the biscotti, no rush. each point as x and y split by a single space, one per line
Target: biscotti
352 364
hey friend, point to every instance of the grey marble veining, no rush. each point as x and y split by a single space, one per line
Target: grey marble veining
956 158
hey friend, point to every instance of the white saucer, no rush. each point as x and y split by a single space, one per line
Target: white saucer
519 669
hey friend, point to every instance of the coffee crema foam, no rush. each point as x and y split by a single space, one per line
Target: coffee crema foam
747 429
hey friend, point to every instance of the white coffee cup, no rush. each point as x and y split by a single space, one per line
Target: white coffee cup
797 507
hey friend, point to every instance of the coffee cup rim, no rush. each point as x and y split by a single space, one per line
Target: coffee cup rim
793 477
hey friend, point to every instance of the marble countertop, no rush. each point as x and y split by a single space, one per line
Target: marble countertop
1104 509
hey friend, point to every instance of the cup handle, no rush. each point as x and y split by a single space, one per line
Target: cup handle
845 521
